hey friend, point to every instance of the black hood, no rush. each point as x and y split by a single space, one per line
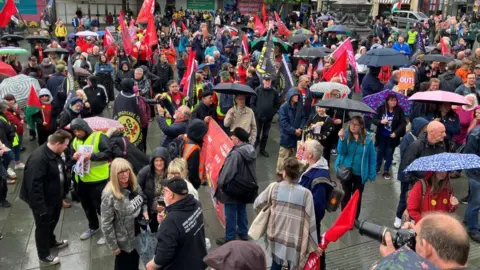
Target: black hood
93 80
127 85
187 204
79 123
161 152
196 130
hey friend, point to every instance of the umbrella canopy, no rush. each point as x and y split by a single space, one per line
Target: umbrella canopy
205 65
324 87
12 38
35 38
299 38
86 34
339 29
101 123
257 44
234 89
101 33
437 58
383 57
377 99
231 29
444 162
81 72
325 18
7 70
302 31
312 52
439 96
56 50
19 87
12 50
403 258
345 104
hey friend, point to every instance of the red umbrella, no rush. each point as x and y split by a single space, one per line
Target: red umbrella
6 69
439 96
101 123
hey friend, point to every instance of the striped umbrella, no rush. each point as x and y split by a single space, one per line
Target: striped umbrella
19 87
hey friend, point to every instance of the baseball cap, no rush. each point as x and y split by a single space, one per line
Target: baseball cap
477 66
241 134
267 77
177 185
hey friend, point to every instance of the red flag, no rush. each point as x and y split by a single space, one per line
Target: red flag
9 9
338 69
172 46
259 26
146 12
245 44
151 37
33 99
282 29
188 79
108 38
132 31
127 41
184 27
264 13
445 49
347 46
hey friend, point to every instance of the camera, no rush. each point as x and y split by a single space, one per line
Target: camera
400 237
154 101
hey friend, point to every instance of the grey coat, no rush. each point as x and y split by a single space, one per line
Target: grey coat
118 218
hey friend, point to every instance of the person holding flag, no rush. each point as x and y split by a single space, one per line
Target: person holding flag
39 114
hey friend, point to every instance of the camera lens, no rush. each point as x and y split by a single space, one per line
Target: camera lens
373 231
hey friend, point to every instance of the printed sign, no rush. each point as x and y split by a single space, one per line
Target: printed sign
252 7
131 122
201 4
406 79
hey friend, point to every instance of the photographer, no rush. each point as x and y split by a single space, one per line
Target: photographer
440 238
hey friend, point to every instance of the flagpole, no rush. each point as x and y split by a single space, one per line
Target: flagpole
25 22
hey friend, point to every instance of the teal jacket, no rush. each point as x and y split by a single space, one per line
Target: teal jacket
369 157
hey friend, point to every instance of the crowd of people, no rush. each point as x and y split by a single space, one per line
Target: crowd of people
122 190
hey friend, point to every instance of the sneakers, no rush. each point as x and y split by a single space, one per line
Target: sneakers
387 176
51 260
101 241
11 173
221 241
5 204
19 166
464 200
398 223
333 152
264 153
60 244
475 236
87 234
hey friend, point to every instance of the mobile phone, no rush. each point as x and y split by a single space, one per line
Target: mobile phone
161 203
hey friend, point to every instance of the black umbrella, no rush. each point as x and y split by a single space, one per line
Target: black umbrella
383 57
437 58
345 104
299 38
34 38
312 52
234 89
11 37
56 50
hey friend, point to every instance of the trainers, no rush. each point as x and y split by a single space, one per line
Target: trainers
87 234
264 153
475 236
101 241
387 176
5 204
398 223
11 173
464 200
19 166
221 241
51 260
60 244
333 152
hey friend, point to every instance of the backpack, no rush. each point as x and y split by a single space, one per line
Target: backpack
405 215
244 190
336 195
61 89
175 147
144 111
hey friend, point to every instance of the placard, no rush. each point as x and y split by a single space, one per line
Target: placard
406 79
201 4
252 7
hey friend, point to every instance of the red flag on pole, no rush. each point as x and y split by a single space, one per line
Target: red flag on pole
9 9
146 12
188 79
444 46
245 44
259 26
127 41
151 37
264 13
282 29
108 38
184 27
338 69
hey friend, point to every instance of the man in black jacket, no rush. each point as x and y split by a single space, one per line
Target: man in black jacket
204 110
164 72
181 236
265 105
449 81
182 116
471 213
42 189
96 95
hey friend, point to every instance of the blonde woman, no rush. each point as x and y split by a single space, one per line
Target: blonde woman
122 203
178 167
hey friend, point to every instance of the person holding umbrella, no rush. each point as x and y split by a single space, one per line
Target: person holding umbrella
241 116
391 123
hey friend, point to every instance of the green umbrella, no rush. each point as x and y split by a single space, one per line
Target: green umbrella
12 50
340 29
302 31
257 44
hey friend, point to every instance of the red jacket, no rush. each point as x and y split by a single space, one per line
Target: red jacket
432 202
15 118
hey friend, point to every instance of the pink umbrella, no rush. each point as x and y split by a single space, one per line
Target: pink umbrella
101 123
439 96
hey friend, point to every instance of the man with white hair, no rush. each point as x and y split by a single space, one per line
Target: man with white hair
94 57
315 179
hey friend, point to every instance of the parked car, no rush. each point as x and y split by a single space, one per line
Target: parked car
401 18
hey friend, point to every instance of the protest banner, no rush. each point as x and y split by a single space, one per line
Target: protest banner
216 146
406 80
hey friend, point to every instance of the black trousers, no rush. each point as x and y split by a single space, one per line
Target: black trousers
44 228
349 187
263 128
91 197
127 261
142 146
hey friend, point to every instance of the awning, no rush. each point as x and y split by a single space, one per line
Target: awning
404 2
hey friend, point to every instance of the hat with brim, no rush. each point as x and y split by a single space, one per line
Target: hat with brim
176 185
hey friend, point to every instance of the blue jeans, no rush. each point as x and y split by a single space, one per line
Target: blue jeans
16 149
7 158
276 266
384 152
236 215
471 213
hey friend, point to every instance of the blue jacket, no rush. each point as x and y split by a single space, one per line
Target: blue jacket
473 147
210 50
404 47
320 191
290 119
103 69
226 103
371 85
182 45
368 162
417 126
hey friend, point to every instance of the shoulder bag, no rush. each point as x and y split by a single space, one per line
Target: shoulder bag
344 173
260 223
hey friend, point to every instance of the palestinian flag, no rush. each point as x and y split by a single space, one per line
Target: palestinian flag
396 6
33 107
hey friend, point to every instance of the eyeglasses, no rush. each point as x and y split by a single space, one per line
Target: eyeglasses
127 171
